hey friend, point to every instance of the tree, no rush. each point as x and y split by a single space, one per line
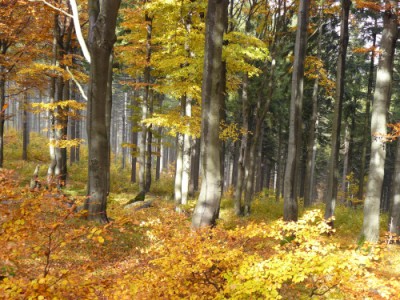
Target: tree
102 24
207 207
333 172
290 208
380 106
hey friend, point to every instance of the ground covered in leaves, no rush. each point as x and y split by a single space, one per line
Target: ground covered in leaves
49 250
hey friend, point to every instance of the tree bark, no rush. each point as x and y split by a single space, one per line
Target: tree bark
243 149
290 206
2 113
207 207
186 157
25 127
124 121
394 213
366 139
333 172
381 102
102 23
149 143
308 179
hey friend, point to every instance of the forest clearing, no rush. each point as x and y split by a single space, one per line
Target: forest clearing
199 149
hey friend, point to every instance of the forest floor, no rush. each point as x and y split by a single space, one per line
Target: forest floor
51 252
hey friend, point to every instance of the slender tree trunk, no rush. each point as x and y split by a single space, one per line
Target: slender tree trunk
195 168
102 23
2 113
345 162
250 162
72 126
378 123
308 187
243 148
236 149
134 137
333 171
149 143
25 127
290 210
366 135
207 207
186 156
279 166
159 151
178 170
394 213
124 120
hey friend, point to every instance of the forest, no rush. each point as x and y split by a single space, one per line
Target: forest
199 149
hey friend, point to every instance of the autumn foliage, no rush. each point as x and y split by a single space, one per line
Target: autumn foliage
51 252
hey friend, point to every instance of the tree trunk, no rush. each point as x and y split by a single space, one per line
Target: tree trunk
134 137
158 161
124 120
366 139
102 23
25 128
308 187
207 207
290 210
195 168
186 157
2 113
279 165
378 123
394 213
178 170
345 162
243 148
333 172
149 143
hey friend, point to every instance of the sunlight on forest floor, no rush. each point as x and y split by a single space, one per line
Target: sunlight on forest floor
152 253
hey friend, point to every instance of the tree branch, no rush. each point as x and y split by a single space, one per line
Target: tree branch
78 30
53 7
77 84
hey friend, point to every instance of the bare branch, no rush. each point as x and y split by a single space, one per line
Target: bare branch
53 7
78 30
77 84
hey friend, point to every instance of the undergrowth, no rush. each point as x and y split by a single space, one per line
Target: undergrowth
52 252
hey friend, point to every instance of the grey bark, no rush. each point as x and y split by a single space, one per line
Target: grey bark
381 102
366 138
149 143
178 170
2 112
243 148
186 156
25 128
308 178
124 121
394 213
207 206
102 23
333 172
290 205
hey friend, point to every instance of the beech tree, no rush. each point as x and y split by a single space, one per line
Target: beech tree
102 23
333 172
207 207
380 106
290 209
